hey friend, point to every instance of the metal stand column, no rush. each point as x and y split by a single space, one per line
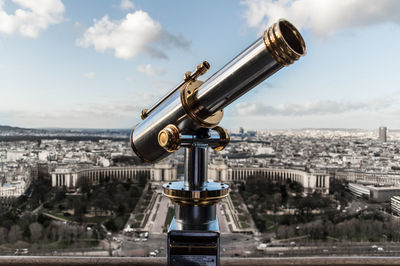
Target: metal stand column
193 236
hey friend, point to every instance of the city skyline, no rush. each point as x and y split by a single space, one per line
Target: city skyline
75 65
99 190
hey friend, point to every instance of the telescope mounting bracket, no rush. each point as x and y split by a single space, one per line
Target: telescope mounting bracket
195 190
189 104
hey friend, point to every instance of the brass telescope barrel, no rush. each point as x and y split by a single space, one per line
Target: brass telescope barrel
198 104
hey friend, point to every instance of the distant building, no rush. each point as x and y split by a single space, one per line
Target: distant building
369 178
382 134
43 156
359 190
383 194
378 194
13 189
310 180
13 156
68 177
395 204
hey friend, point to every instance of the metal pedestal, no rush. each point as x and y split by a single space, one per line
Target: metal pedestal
193 236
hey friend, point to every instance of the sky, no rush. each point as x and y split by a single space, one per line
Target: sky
98 63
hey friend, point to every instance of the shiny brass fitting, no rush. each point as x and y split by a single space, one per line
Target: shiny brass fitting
224 138
188 101
211 195
143 114
200 70
188 76
169 138
284 42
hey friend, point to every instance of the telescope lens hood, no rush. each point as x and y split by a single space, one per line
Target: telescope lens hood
284 42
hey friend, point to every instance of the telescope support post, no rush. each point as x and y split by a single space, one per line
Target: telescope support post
195 168
193 236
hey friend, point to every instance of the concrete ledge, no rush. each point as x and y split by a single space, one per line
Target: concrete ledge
75 261
79 261
312 261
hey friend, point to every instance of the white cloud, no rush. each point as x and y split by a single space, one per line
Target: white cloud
150 70
89 75
126 5
31 17
324 18
135 34
319 107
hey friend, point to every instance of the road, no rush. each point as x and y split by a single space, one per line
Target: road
223 225
231 245
159 221
334 249
237 245
130 247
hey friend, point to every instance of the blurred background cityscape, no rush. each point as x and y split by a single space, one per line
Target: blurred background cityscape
296 192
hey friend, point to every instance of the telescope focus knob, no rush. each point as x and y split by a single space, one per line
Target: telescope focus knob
169 138
144 114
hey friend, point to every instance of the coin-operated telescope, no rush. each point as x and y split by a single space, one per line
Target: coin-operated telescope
188 117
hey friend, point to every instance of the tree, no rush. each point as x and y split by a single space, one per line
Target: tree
79 210
3 234
110 224
60 195
36 230
103 203
284 194
142 180
277 201
14 234
83 185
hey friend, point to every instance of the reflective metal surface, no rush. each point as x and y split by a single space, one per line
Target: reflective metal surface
144 138
193 247
211 193
189 103
236 78
169 138
217 138
196 166
281 45
200 70
193 236
195 218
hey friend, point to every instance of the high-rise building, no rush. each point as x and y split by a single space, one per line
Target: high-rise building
241 131
383 134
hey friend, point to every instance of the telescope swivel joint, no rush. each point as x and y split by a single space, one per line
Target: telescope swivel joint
171 140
